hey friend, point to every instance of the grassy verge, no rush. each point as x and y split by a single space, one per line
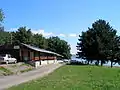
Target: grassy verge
14 66
26 70
25 64
76 78
5 71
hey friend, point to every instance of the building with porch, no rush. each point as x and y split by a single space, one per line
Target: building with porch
28 53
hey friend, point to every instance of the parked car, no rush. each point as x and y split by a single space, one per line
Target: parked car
66 60
60 61
7 58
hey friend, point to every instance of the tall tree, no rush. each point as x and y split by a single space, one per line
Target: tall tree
23 35
4 37
1 15
40 41
55 44
97 42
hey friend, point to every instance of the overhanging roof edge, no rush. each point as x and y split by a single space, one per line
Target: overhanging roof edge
41 50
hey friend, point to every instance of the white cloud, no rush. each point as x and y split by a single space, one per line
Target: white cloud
42 32
62 35
47 34
73 35
13 29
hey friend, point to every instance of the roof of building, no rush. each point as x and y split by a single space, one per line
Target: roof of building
41 50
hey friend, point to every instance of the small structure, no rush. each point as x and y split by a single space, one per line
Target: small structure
31 54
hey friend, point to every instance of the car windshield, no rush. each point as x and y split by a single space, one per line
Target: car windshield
2 55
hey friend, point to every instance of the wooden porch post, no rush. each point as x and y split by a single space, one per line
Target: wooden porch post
20 54
22 59
28 55
34 55
39 58
47 58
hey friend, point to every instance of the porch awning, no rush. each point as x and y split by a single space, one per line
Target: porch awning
41 50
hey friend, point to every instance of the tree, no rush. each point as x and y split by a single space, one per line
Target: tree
97 42
40 41
23 35
55 44
4 37
115 51
1 15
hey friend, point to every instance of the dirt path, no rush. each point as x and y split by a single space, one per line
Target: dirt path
8 81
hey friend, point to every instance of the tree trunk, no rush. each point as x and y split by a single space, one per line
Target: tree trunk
111 63
101 63
98 63
88 61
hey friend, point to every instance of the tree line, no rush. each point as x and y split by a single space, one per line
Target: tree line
99 43
24 35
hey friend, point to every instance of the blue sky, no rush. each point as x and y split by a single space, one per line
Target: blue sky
65 18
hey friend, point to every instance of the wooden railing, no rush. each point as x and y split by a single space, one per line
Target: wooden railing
44 58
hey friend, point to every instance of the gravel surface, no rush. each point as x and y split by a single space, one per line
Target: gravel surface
8 81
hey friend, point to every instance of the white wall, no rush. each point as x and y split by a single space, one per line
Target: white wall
44 62
51 61
37 64
48 62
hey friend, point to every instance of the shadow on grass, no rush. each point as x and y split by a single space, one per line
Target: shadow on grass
77 63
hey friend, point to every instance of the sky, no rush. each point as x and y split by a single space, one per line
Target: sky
63 18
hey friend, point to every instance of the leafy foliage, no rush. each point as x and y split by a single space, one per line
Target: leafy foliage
4 37
39 40
99 42
24 35
60 46
1 15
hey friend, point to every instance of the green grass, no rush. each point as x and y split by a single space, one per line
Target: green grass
14 66
6 71
76 78
26 70
25 64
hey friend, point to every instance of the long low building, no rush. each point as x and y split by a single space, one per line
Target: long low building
28 53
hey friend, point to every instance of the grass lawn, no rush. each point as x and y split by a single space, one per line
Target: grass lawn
76 78
5 71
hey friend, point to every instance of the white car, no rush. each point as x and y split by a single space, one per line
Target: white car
60 61
66 60
7 58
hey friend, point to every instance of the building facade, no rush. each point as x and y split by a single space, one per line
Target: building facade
27 53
